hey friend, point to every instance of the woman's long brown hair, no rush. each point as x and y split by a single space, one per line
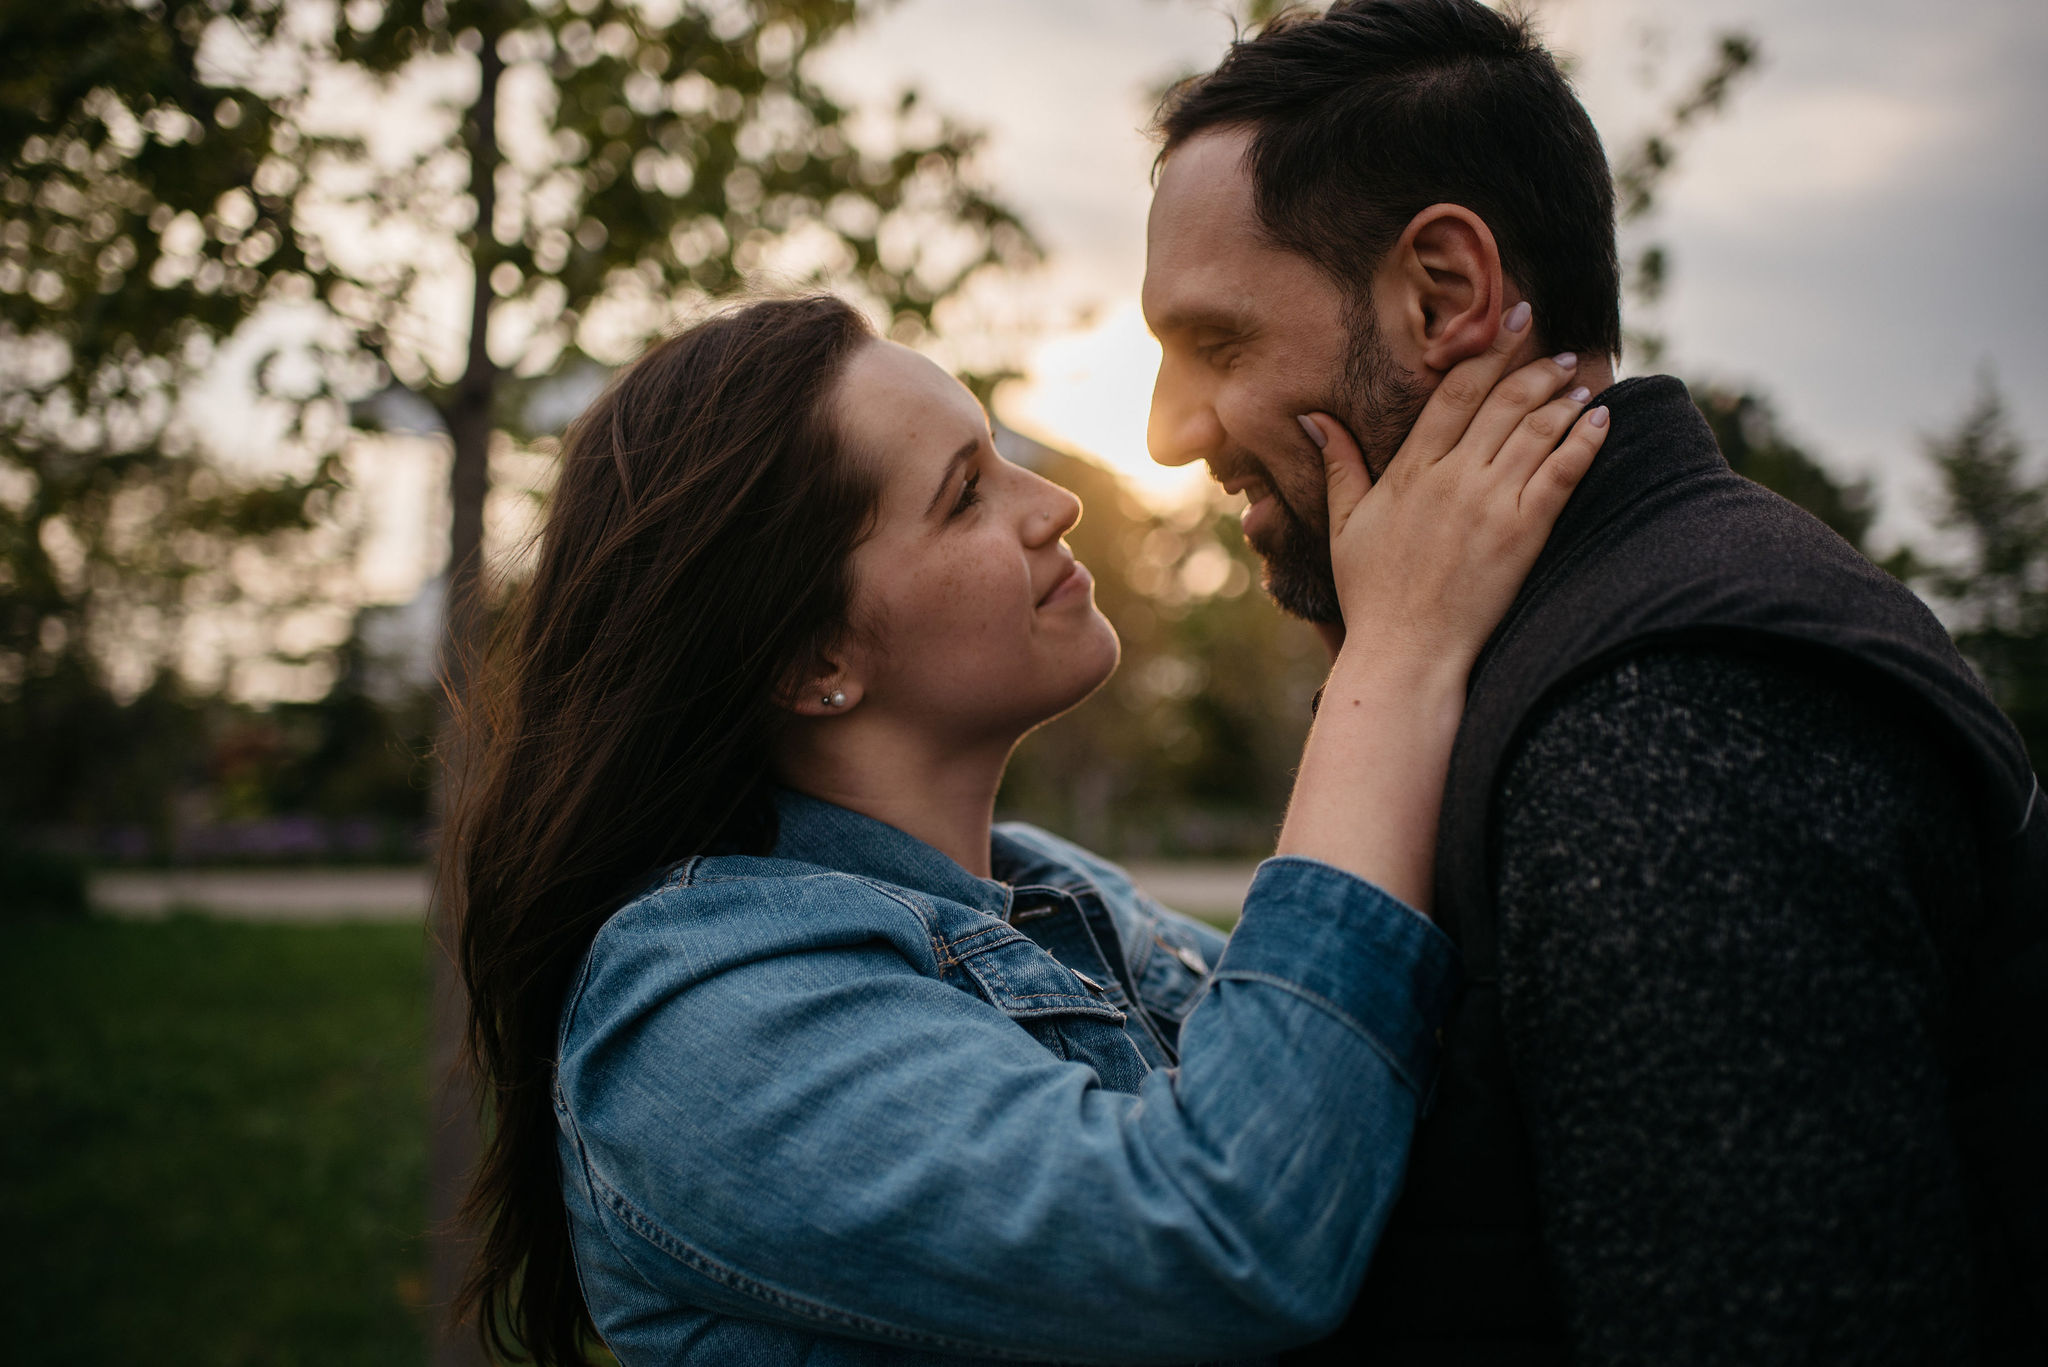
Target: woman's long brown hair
693 565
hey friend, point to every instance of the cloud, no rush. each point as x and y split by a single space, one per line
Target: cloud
1811 149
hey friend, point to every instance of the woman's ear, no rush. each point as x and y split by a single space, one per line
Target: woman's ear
829 691
1445 278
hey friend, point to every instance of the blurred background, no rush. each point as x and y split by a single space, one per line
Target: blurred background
296 295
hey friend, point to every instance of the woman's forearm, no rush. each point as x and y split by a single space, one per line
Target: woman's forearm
1426 558
839 1142
1372 776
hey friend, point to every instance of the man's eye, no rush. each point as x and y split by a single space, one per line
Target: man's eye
970 494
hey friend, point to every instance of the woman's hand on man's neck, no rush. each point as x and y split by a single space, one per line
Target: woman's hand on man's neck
940 790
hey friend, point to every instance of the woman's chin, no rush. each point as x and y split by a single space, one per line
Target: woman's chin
1094 663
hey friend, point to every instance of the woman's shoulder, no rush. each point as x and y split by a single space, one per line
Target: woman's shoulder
709 914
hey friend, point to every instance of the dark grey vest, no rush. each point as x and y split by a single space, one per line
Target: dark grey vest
1664 542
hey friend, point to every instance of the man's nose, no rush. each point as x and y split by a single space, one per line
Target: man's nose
1183 426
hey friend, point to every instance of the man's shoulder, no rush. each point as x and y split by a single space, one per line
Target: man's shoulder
1734 733
1726 684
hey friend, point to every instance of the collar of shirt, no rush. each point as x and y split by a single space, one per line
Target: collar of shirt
813 831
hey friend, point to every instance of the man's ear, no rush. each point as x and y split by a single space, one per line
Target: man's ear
1444 281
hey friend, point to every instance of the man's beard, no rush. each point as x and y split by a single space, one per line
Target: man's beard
1379 404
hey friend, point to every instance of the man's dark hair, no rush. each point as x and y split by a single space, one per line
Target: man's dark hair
1366 115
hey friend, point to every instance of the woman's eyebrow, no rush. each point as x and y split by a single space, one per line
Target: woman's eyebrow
963 454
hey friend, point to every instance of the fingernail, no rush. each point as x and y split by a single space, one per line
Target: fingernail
1580 394
1314 430
1518 317
1597 418
1565 360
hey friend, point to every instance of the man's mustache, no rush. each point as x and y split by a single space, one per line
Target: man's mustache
1246 468
1240 469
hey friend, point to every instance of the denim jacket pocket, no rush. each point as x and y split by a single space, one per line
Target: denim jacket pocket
1074 1018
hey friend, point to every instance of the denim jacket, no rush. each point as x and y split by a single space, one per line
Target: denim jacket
848 1104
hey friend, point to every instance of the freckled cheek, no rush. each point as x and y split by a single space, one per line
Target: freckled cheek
963 603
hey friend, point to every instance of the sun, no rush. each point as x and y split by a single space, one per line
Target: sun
1089 391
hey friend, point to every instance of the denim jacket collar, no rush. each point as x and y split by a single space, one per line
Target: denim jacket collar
814 831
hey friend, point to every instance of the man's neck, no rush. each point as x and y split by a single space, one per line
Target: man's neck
943 793
1595 373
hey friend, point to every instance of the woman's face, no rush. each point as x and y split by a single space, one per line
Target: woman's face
977 621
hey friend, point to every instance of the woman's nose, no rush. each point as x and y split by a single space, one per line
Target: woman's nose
1054 514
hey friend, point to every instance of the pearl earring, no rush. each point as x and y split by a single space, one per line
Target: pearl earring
835 699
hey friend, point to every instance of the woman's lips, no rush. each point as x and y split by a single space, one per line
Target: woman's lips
1075 581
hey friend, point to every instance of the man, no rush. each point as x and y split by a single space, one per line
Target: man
1746 869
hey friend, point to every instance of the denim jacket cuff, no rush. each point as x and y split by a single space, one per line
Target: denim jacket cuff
1364 954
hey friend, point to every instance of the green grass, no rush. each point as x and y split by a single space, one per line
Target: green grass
212 1143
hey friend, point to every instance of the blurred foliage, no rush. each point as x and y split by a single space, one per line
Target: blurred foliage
140 224
214 1143
1190 748
1643 166
1991 580
141 780
192 189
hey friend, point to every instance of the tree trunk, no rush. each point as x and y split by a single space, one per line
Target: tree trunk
455 1138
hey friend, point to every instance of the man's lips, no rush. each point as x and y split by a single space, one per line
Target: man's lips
1252 487
1258 515
1259 510
1249 479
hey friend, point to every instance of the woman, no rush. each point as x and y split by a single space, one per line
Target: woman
793 1058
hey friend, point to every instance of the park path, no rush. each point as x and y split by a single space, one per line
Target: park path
265 894
1208 889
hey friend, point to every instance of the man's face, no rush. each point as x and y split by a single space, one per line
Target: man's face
1252 336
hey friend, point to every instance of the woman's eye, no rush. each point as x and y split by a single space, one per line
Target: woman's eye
970 494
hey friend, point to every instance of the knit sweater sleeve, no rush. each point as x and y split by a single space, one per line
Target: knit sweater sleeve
1720 878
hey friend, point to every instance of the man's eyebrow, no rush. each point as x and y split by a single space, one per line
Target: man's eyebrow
963 454
1192 318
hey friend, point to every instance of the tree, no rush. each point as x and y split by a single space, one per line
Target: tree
1993 586
188 176
1647 163
114 299
184 174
